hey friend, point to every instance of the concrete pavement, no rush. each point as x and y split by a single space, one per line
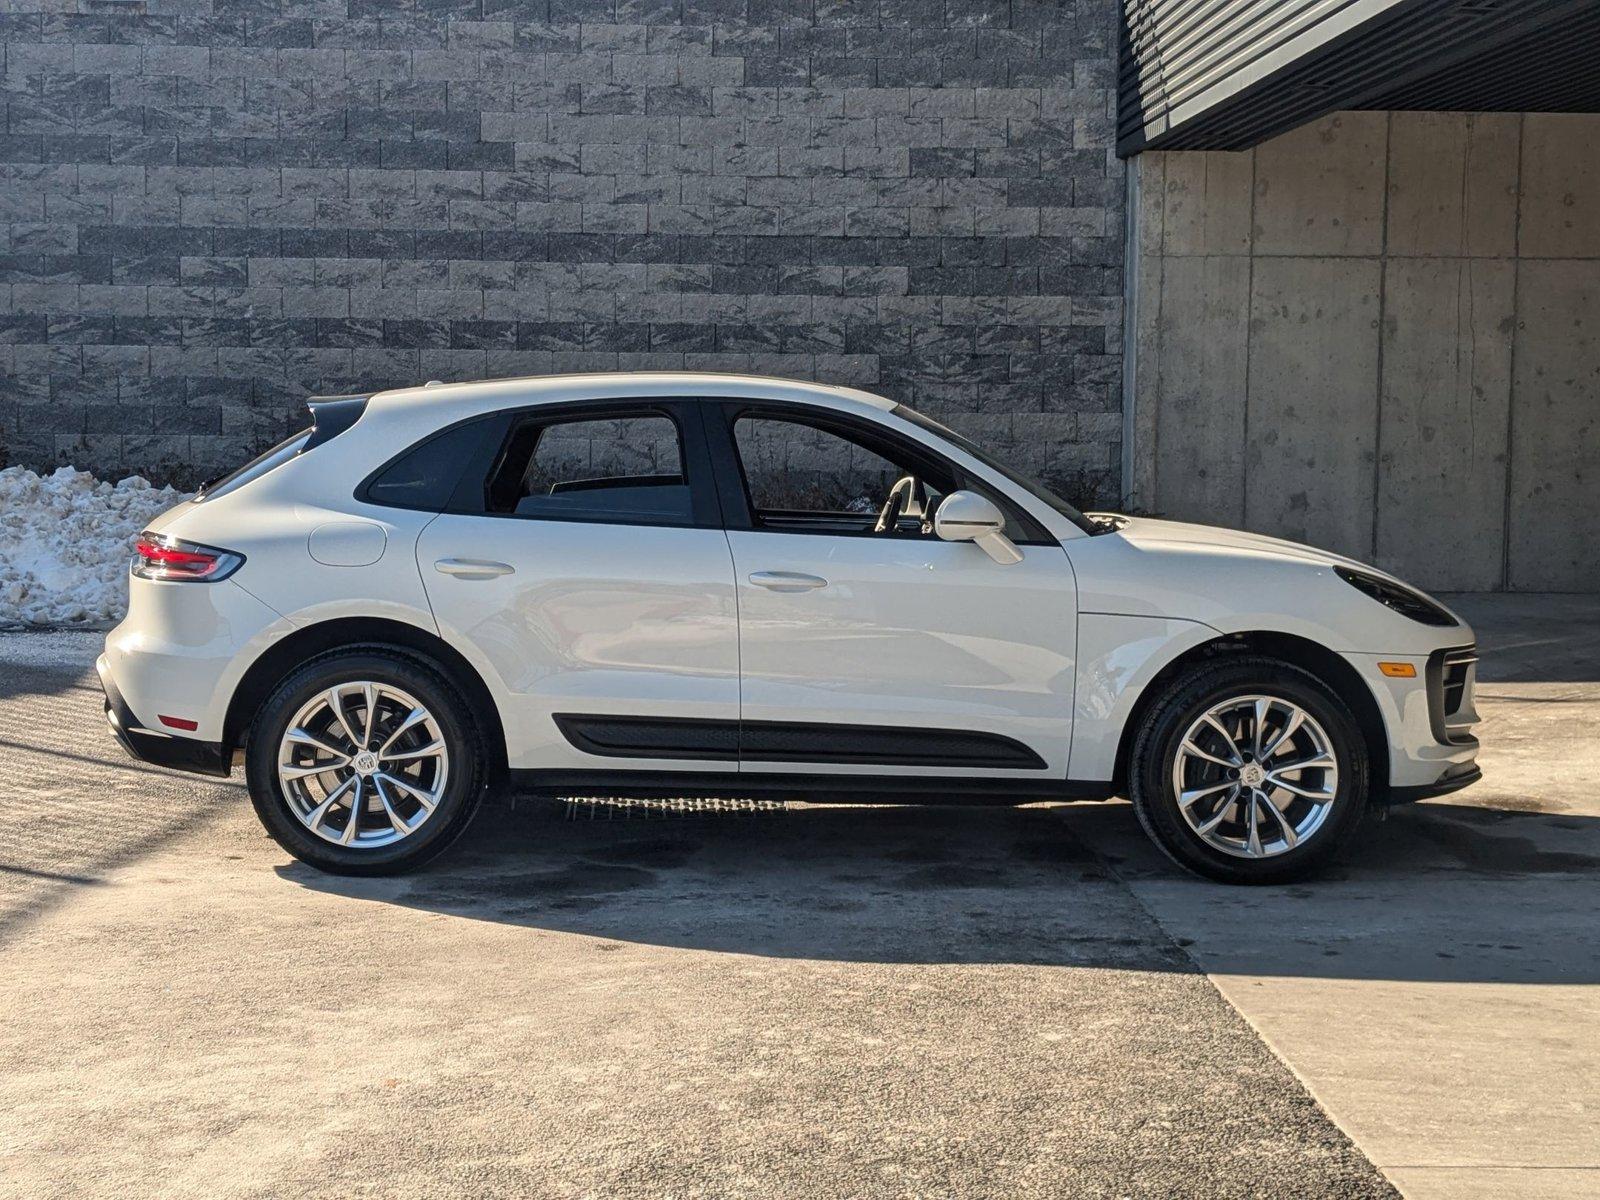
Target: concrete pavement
826 1001
1441 994
823 1002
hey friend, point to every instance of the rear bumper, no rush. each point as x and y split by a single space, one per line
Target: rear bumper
158 749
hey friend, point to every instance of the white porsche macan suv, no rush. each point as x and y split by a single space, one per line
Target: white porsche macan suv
670 584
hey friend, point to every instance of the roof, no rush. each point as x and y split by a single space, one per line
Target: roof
488 394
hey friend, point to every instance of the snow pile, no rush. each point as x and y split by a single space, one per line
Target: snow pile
65 542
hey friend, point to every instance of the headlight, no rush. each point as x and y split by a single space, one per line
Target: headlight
1391 595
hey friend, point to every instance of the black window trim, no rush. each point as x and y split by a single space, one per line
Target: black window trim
494 431
733 488
466 498
683 412
713 468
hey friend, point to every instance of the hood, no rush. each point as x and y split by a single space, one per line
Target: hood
1241 582
1180 536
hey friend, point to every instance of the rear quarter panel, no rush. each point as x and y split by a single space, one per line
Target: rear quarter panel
369 566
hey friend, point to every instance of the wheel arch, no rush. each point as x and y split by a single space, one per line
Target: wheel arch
1301 652
284 655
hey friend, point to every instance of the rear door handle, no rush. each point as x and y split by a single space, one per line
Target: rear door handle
787 581
472 568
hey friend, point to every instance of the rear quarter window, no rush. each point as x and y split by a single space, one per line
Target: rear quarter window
426 475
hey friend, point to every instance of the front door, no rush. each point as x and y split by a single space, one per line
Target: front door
885 651
594 582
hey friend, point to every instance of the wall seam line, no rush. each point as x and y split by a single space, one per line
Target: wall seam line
1249 351
1383 304
1153 500
1133 184
1511 365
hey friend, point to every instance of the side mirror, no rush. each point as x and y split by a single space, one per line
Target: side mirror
969 517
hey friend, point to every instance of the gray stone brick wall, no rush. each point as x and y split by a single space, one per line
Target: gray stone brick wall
213 208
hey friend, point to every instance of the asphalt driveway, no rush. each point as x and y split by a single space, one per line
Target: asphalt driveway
820 1001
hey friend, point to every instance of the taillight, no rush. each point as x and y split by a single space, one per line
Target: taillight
168 558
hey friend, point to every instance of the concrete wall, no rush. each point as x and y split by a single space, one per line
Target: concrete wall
210 208
1381 334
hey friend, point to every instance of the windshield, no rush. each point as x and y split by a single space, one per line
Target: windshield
1026 482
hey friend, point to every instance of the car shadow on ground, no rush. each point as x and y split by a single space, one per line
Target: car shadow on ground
878 884
1433 893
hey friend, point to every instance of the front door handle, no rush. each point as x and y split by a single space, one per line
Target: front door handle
787 581
472 568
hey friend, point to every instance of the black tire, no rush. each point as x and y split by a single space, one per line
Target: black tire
421 678
1155 750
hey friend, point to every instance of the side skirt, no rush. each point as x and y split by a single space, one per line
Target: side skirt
832 789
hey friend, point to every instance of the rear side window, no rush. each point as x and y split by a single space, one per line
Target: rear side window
626 468
426 475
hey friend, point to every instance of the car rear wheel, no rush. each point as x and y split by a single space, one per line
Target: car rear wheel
365 762
1250 770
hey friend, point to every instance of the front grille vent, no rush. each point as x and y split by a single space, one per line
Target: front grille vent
1455 680
1450 694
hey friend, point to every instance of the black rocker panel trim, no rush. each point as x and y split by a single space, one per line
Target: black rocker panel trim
793 741
650 737
884 745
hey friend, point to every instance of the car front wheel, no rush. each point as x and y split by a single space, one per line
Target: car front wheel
365 762
1250 770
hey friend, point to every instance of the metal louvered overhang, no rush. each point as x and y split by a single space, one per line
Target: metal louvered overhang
1228 74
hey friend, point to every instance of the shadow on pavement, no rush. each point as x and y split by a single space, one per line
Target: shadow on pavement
18 683
1436 892
885 884
85 807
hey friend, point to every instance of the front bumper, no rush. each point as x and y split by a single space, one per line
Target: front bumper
1452 780
151 746
1429 718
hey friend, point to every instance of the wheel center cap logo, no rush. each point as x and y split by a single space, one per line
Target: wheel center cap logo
1251 775
366 762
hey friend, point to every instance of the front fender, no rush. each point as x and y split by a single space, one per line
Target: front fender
1118 656
1242 584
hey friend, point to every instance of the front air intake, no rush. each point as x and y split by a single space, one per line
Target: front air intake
1451 675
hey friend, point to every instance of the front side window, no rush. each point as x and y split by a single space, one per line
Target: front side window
1026 482
623 468
801 476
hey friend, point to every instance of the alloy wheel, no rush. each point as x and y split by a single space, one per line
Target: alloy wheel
1255 776
363 764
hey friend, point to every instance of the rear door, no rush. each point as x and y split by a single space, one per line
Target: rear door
588 571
